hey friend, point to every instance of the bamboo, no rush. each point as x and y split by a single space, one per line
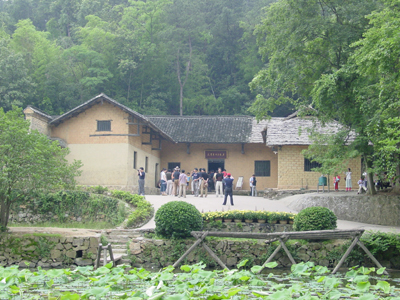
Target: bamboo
371 256
346 254
98 255
200 239
270 258
318 234
111 254
213 255
104 256
287 251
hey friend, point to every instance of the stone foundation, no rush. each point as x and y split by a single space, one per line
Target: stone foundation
47 250
247 227
150 253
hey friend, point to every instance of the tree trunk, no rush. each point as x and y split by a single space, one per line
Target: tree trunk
4 211
370 177
178 71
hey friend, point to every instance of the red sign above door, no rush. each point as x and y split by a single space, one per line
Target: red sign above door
215 154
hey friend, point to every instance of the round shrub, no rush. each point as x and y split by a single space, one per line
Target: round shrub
176 219
315 218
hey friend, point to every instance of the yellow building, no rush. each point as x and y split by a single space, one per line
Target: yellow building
113 141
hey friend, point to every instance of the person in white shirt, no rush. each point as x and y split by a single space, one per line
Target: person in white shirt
348 181
253 183
361 185
163 182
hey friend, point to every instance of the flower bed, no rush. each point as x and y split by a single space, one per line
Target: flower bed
243 215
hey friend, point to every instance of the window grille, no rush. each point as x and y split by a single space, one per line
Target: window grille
262 168
103 125
309 165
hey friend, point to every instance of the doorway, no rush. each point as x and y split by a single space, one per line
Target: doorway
214 164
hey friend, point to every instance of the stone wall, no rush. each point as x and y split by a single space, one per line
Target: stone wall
27 216
377 209
247 227
150 253
47 250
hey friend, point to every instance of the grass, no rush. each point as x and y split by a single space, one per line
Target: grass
42 235
80 225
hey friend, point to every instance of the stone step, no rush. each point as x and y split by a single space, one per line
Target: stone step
118 246
117 241
117 257
120 236
119 251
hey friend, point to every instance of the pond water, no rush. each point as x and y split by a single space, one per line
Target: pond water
303 281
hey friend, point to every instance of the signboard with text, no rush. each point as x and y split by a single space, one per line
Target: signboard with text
215 154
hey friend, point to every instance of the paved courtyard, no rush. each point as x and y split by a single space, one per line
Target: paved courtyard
212 203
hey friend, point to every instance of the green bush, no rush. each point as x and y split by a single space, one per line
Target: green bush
76 203
177 219
315 218
143 208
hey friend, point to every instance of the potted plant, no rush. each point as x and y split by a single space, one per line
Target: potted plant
284 218
291 217
229 216
249 216
207 217
237 216
262 216
273 217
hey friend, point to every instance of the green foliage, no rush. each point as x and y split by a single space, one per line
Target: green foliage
98 189
176 219
65 52
29 161
315 218
77 203
306 280
379 242
143 208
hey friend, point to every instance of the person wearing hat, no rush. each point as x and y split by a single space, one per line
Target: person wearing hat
228 182
175 179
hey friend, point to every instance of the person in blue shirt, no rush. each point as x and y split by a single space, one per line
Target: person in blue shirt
228 182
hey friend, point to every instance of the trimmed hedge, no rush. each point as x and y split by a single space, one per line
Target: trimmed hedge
177 219
315 218
143 208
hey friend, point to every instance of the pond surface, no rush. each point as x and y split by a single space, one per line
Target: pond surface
303 281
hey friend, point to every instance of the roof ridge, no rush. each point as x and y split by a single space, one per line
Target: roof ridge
40 111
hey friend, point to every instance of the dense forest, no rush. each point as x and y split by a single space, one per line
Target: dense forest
149 55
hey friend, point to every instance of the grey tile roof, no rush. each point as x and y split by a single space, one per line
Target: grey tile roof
40 112
295 131
206 129
104 97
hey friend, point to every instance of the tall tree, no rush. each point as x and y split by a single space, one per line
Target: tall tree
377 61
28 161
307 48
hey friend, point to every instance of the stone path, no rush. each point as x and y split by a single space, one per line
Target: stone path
212 203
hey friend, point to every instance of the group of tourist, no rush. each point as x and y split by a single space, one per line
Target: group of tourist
177 182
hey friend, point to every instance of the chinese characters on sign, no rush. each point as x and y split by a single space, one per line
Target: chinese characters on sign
215 154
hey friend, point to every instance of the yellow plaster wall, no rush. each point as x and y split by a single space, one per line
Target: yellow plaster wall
151 176
103 164
77 130
107 160
236 163
291 174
